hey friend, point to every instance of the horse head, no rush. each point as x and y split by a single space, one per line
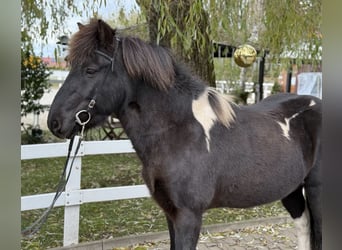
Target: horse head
104 72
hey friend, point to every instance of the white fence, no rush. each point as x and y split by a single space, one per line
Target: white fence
74 196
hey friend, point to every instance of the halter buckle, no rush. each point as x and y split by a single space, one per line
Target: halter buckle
91 103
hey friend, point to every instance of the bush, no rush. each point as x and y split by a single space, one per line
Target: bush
34 82
276 88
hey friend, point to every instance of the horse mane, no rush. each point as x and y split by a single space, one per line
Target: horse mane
222 106
150 63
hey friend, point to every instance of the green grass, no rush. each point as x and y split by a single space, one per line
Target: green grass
104 220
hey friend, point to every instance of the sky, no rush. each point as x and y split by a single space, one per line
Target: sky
105 12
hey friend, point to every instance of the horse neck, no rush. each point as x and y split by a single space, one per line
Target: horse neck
151 114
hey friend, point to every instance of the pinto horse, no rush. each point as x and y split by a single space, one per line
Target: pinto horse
198 149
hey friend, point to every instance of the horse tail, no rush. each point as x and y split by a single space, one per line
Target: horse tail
313 181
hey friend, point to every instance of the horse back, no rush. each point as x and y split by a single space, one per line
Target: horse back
303 116
307 109
286 104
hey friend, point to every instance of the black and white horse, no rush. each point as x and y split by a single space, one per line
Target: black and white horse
198 149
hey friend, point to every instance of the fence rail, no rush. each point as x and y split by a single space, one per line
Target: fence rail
73 196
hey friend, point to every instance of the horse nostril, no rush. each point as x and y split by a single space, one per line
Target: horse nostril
55 125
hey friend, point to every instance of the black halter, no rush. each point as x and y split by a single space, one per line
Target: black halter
116 41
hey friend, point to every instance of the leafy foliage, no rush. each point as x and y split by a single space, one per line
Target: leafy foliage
276 88
40 19
34 81
293 29
183 26
287 30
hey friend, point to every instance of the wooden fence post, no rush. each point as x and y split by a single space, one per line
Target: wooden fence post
73 197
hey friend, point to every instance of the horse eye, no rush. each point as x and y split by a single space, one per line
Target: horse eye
90 71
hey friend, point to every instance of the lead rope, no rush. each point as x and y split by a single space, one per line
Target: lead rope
63 180
34 227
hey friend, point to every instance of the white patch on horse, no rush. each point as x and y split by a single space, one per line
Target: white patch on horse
286 126
224 111
204 114
312 103
303 230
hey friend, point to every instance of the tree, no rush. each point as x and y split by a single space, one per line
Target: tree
183 26
285 29
294 28
40 19
280 28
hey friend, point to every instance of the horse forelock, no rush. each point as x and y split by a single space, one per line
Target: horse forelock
151 63
83 43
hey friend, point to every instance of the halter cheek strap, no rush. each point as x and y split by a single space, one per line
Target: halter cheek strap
116 40
111 59
86 112
91 104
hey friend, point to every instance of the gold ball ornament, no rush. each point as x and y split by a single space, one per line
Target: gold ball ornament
245 55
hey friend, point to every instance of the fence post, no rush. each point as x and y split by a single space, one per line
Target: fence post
73 198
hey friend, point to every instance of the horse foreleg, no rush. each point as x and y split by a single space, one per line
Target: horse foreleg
187 226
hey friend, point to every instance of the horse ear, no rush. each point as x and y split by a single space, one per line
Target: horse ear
105 33
80 26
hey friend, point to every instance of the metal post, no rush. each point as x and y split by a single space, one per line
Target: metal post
288 79
261 77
